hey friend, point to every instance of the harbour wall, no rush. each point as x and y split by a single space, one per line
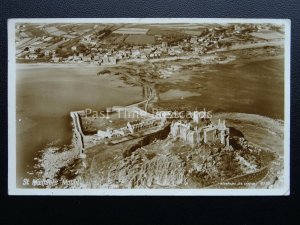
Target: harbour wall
78 136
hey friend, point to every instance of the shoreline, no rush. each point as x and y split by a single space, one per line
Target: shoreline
32 65
52 65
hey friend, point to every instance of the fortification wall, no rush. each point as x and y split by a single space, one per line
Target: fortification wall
78 136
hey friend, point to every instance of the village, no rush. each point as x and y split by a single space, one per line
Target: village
106 46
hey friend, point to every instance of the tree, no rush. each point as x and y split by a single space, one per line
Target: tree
81 48
38 50
41 55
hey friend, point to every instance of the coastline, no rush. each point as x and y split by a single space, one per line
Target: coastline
53 65
193 57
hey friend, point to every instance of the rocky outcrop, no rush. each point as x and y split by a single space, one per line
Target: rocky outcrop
159 135
51 165
145 170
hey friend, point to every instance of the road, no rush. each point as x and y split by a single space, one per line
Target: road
150 93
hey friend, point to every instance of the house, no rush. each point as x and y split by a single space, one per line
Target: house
112 60
32 56
56 59
32 49
164 44
175 50
143 55
47 52
106 60
96 58
194 40
86 58
135 53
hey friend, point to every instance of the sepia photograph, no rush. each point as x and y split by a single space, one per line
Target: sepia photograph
129 106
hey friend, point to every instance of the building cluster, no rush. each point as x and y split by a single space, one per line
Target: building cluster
148 121
130 129
90 47
200 130
196 130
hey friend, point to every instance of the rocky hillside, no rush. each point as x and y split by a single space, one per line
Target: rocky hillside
144 170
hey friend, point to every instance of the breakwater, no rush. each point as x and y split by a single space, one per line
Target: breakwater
78 136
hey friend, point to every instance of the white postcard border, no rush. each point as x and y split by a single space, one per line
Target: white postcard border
13 190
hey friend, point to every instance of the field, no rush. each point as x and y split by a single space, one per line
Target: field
131 31
140 39
267 35
34 31
114 39
160 31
